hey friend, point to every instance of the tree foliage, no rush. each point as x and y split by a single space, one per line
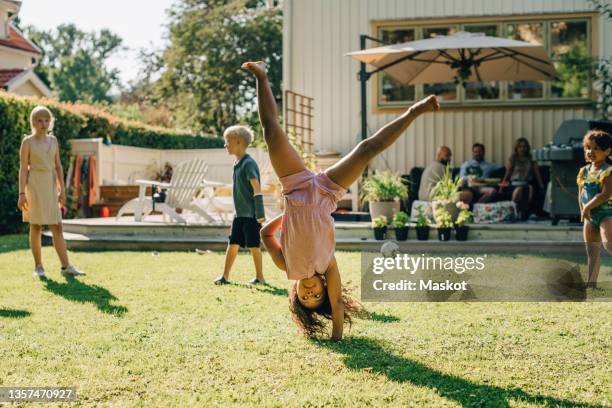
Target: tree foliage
74 62
200 76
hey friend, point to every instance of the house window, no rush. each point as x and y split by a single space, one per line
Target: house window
391 90
567 41
569 49
446 91
531 32
483 90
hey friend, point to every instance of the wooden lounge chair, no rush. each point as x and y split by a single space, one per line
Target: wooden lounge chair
187 180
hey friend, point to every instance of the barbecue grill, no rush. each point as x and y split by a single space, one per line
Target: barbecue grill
565 156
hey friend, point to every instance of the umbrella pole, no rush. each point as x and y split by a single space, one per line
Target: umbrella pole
363 79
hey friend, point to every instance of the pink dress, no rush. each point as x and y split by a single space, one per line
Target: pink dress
307 235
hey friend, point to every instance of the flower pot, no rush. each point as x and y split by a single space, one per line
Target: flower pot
444 234
401 234
451 207
380 233
422 233
386 208
461 232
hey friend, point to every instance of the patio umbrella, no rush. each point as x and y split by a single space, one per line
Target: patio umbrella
463 57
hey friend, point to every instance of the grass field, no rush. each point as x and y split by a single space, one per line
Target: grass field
151 330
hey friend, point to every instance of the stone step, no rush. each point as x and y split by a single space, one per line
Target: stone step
102 242
349 230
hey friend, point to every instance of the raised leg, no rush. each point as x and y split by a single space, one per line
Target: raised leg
350 168
285 160
36 243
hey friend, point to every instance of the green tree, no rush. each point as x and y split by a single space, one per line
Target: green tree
200 76
74 62
603 7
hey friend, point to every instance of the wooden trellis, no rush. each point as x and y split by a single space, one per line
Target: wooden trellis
298 120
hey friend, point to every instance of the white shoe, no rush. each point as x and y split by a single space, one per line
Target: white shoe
72 271
39 272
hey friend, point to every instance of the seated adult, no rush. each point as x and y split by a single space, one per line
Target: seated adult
434 172
521 170
474 172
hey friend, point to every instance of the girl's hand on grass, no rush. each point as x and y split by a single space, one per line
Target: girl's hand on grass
22 204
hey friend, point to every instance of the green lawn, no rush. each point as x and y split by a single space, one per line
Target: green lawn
145 330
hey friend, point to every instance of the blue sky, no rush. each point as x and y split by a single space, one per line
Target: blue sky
140 23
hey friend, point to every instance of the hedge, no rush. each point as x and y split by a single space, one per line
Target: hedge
72 121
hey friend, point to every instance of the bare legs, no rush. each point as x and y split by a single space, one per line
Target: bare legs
285 160
257 260
230 257
58 242
351 167
36 243
594 238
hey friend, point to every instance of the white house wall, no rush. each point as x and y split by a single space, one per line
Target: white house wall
28 89
11 58
318 33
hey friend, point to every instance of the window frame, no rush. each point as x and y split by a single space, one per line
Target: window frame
502 21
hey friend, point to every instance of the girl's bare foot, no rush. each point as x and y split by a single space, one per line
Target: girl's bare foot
257 68
428 104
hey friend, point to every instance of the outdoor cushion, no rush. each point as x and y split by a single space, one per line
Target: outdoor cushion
493 213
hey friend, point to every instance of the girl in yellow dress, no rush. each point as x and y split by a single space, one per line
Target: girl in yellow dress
40 174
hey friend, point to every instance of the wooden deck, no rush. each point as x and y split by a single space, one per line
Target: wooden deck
154 234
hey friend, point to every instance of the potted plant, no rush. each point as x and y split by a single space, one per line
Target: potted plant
383 191
422 224
380 227
465 216
444 222
446 193
400 225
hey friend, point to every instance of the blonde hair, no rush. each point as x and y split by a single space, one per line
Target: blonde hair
36 112
243 132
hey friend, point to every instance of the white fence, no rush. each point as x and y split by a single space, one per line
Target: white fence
123 165
118 165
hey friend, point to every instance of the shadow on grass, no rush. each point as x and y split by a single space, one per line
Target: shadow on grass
77 291
14 313
10 243
269 289
371 355
380 317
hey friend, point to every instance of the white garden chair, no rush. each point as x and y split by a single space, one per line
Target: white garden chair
187 180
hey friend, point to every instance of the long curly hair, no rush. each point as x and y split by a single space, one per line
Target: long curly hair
312 323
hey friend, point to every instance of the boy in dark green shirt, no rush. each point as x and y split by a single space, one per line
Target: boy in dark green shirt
248 203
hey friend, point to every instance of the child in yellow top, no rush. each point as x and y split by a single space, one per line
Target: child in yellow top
40 173
595 191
